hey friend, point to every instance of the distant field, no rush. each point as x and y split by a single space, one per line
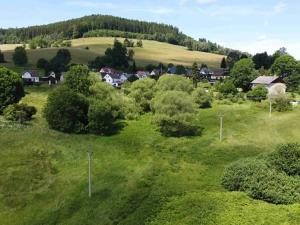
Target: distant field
152 52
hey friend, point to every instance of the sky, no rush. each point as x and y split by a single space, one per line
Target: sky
253 26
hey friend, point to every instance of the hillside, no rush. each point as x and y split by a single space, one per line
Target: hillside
152 52
139 177
107 26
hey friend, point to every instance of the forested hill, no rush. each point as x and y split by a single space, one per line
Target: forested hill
103 25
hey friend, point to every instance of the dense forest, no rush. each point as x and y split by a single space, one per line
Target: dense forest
102 25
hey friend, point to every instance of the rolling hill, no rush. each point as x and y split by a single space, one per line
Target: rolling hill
152 52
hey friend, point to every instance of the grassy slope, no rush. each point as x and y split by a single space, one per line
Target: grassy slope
139 176
152 52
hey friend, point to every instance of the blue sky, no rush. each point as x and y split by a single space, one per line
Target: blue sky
253 26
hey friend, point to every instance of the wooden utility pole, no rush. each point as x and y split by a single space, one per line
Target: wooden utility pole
90 153
270 110
221 126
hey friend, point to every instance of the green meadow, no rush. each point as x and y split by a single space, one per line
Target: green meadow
152 52
139 177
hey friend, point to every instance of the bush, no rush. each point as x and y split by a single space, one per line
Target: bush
105 109
202 98
228 88
175 114
142 91
11 88
19 112
77 79
282 103
174 83
258 94
102 116
66 111
273 178
287 159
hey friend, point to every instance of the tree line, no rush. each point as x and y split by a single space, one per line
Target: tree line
103 26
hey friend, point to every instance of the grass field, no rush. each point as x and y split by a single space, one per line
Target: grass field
152 52
139 177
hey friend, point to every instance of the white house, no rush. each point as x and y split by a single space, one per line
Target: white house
113 79
272 83
31 77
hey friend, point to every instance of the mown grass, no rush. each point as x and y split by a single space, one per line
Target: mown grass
139 177
152 52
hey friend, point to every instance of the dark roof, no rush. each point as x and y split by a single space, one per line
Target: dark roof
114 75
267 80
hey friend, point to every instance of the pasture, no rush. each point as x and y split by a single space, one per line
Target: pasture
139 177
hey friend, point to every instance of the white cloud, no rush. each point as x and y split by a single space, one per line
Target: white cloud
263 43
204 2
91 4
160 11
279 7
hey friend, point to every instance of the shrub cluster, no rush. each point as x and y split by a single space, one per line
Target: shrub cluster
19 112
273 178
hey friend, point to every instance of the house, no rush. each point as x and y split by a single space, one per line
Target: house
156 72
31 77
107 70
113 79
219 75
172 70
52 79
142 74
206 73
274 84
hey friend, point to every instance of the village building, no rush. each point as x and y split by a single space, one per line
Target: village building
274 84
142 74
31 77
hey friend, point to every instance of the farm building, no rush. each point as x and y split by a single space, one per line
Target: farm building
274 84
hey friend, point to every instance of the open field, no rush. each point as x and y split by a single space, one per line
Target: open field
152 52
139 177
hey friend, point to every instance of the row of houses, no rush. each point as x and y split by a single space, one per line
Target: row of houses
117 78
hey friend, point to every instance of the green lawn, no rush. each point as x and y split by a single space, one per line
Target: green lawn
152 52
139 177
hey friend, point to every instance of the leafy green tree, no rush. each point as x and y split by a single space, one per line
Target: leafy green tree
195 74
228 88
32 44
202 98
293 80
284 65
232 58
263 60
223 63
258 93
117 57
281 103
11 88
20 56
243 73
174 83
142 91
175 114
66 111
2 59
77 79
61 60
180 70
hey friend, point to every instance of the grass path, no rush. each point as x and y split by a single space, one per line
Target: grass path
139 176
